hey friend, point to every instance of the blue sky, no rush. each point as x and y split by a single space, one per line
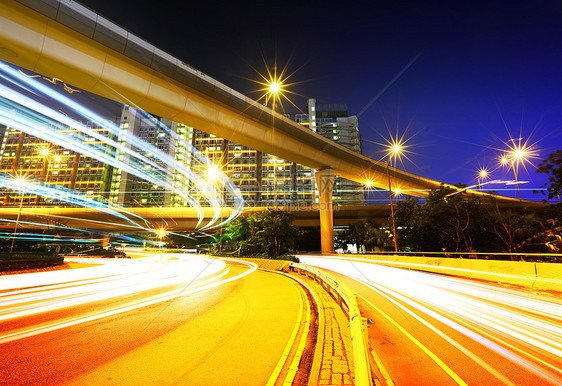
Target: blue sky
478 71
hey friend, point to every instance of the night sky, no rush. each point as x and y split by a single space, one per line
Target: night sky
470 73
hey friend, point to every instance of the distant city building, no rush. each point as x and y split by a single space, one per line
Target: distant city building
266 180
23 155
171 139
333 121
263 179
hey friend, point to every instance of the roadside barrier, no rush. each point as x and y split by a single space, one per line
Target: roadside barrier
537 276
345 298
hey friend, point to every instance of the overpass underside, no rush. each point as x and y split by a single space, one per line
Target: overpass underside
183 219
172 219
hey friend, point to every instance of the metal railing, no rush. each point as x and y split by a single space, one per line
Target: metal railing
345 298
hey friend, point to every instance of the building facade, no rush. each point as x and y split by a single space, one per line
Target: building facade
263 179
25 156
266 180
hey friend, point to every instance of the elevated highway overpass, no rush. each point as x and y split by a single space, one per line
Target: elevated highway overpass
172 219
66 40
178 219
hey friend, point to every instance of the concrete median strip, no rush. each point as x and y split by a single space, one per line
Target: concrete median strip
334 370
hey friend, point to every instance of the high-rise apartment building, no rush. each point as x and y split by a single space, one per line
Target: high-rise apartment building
25 156
171 143
333 121
266 180
263 179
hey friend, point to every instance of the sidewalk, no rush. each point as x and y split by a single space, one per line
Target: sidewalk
336 364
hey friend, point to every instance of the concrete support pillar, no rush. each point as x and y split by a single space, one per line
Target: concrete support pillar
105 241
325 184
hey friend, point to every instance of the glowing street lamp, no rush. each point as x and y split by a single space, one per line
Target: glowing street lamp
274 87
44 152
214 175
395 149
161 233
516 156
482 174
518 153
395 236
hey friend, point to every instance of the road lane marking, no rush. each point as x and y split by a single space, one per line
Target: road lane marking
382 369
506 353
294 367
277 371
434 357
455 344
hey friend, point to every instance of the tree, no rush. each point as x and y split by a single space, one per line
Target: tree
552 166
407 219
459 222
270 232
364 233
447 221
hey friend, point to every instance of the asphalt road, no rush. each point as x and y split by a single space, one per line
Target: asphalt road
160 320
436 330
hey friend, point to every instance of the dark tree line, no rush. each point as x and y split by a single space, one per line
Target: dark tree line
365 234
454 221
268 233
461 223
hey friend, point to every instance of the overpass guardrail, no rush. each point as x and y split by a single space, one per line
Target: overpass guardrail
345 298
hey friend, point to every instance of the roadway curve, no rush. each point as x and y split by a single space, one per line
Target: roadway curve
157 320
437 330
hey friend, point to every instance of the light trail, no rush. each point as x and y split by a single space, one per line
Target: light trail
124 238
524 328
37 119
117 280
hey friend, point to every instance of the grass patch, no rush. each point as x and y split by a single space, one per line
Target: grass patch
292 258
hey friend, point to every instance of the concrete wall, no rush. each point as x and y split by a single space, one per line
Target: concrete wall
540 276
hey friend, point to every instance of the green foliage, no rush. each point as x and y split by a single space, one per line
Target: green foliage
447 221
270 232
182 240
364 233
34 246
269 257
552 166
28 260
459 222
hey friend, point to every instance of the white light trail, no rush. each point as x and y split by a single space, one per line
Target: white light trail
113 280
37 119
522 327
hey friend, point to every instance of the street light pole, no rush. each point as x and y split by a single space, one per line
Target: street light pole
17 220
515 175
394 235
